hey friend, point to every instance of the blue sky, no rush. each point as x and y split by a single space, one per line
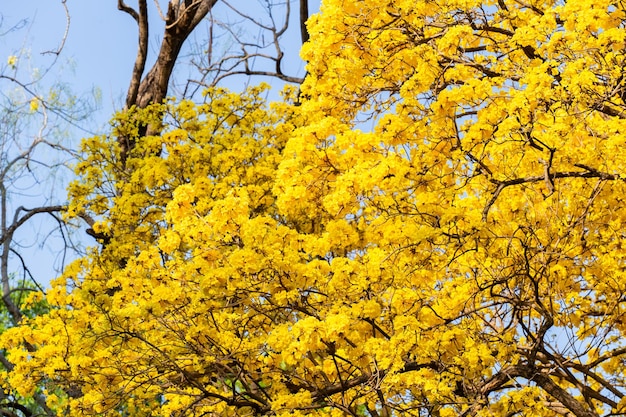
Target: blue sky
100 47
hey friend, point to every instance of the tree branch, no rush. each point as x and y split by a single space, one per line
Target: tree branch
142 50
589 173
304 16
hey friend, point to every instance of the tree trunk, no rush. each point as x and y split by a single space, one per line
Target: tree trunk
182 18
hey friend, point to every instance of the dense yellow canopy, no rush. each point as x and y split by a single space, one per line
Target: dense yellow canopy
435 229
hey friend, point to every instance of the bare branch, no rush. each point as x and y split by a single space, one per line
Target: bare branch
126 9
246 61
249 72
304 16
589 173
19 221
142 51
57 51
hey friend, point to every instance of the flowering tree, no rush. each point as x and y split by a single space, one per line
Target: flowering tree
430 226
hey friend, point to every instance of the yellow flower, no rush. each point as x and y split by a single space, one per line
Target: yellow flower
34 104
12 61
